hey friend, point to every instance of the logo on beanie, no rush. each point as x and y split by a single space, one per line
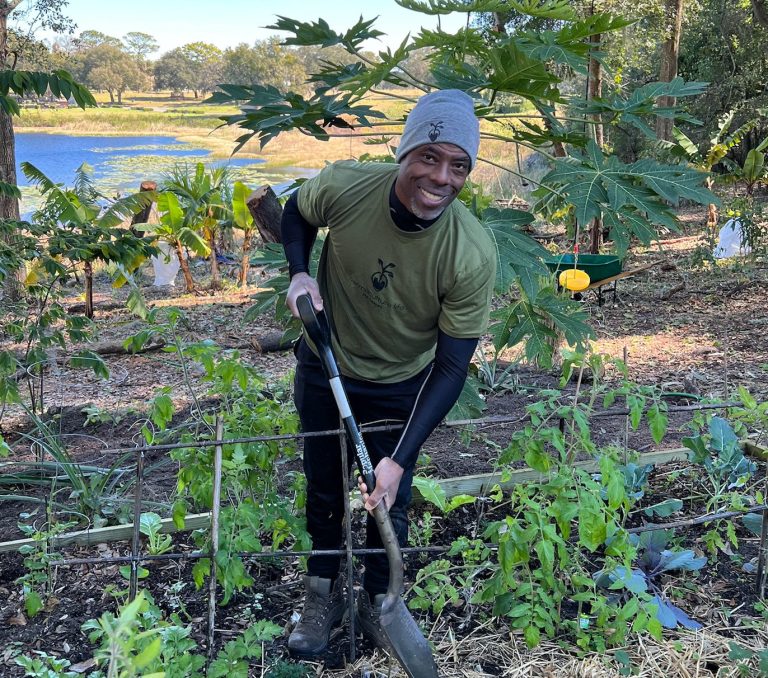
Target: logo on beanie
434 132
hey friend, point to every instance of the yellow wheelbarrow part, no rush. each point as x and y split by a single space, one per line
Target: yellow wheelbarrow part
574 279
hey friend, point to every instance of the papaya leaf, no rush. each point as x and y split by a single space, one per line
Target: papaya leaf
436 7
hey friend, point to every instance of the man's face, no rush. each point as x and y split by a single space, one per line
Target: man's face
430 178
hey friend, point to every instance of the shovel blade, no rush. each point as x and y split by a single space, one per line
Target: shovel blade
408 643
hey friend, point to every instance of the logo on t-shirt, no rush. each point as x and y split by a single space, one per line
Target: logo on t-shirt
434 132
380 279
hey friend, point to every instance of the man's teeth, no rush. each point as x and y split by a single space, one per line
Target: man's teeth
431 196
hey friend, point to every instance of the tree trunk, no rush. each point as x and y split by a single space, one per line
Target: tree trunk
594 91
267 212
595 88
215 278
111 96
668 69
9 207
88 271
189 283
246 262
711 208
760 12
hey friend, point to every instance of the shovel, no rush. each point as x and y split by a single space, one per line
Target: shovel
405 637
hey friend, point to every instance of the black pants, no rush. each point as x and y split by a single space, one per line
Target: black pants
326 483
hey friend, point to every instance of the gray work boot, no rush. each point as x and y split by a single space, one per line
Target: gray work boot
367 619
324 608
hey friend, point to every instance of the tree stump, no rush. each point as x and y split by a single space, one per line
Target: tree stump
266 211
149 214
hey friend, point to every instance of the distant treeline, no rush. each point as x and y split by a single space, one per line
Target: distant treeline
115 65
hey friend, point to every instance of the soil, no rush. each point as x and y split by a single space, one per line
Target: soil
698 332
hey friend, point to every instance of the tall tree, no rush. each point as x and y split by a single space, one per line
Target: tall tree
175 71
140 44
112 69
95 38
39 13
206 62
670 51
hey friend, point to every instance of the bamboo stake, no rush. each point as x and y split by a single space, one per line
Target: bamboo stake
134 581
763 549
626 419
217 462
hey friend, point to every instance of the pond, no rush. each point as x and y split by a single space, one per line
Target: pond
120 164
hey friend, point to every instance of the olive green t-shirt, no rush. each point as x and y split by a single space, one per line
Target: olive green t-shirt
387 291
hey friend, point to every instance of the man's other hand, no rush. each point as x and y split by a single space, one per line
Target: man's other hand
388 474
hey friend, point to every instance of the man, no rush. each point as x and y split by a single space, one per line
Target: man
405 279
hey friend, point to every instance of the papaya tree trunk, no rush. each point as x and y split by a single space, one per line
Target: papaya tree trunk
184 264
246 261
594 91
88 272
668 69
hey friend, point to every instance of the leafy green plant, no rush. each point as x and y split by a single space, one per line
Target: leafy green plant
44 665
37 582
249 407
642 580
433 492
742 655
233 658
720 453
157 543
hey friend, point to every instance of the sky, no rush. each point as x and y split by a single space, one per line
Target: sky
226 23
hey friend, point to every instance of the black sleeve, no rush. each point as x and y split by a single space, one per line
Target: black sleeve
298 236
438 394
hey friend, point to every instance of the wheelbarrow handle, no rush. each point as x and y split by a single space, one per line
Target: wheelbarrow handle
319 332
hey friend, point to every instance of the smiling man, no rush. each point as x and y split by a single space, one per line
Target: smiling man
405 277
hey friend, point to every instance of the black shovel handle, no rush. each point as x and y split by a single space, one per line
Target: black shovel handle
319 332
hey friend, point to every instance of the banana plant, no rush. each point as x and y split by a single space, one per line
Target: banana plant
753 171
203 197
721 142
243 219
173 229
84 227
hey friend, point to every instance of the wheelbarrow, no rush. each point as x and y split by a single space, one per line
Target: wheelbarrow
602 269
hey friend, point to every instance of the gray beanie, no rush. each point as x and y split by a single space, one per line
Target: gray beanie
443 117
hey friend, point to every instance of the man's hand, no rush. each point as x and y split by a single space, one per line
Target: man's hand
303 283
388 474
